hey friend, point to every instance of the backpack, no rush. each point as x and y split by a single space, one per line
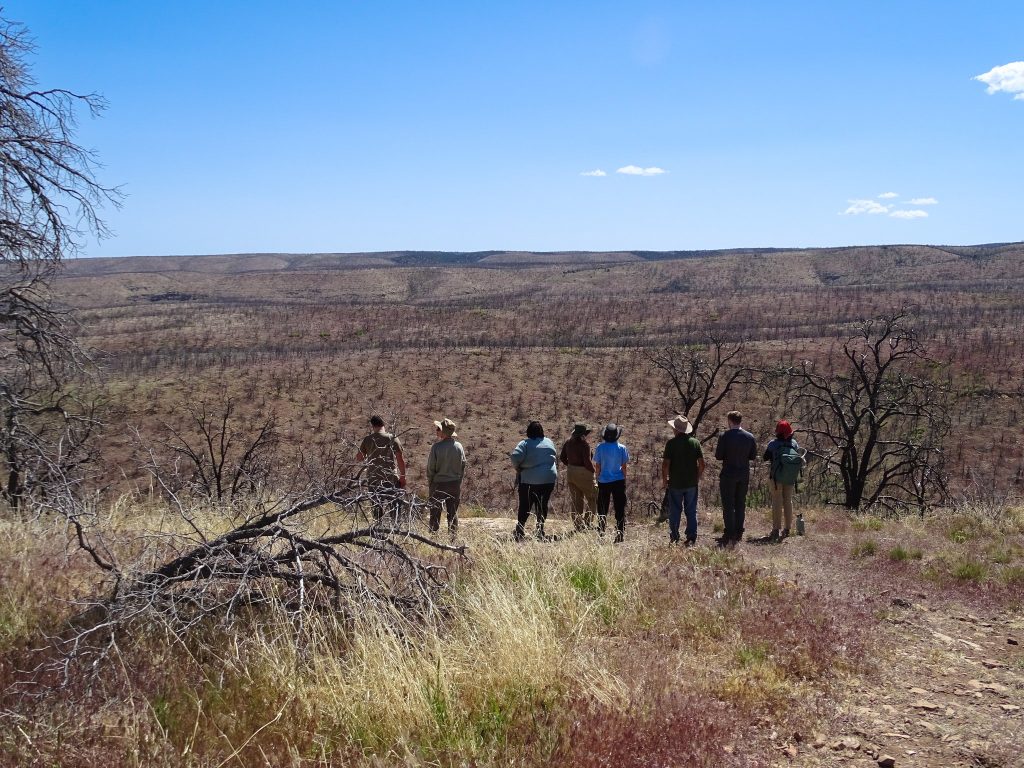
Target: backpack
787 464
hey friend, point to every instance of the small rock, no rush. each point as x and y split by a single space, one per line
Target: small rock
992 664
1009 707
1012 641
853 744
930 706
819 741
900 602
887 761
791 752
919 691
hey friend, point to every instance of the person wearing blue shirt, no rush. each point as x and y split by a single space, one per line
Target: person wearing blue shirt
610 461
535 460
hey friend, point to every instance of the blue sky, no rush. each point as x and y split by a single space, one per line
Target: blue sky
355 126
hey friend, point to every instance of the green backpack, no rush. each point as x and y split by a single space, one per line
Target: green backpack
787 464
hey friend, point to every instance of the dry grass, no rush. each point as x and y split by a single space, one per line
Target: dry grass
548 652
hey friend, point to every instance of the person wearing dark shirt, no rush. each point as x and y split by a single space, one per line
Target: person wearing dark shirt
736 448
681 468
385 468
580 477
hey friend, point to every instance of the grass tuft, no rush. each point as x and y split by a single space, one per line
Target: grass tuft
866 548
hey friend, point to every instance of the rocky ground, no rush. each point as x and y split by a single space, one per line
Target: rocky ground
947 688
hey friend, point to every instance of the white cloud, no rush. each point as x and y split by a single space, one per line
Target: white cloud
596 172
909 214
858 207
923 201
888 195
635 170
1008 78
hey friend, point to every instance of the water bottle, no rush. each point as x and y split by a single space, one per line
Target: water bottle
800 524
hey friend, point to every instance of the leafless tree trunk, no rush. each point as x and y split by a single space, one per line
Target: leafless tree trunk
878 420
704 375
48 199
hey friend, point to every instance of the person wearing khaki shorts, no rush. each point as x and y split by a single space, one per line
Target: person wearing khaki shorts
580 477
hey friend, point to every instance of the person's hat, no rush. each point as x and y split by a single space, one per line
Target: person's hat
681 424
611 433
447 427
579 430
784 430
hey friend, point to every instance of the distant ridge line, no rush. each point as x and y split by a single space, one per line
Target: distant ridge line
228 263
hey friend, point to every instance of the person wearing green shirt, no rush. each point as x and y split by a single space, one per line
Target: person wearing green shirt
682 466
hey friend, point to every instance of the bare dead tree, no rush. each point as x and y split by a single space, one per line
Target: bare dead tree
216 452
703 375
49 199
877 419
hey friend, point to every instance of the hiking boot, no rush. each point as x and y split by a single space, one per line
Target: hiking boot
690 543
784 534
773 536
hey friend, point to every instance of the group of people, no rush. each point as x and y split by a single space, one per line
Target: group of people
596 477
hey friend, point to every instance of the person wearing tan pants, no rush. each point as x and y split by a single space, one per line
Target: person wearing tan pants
580 477
782 504
786 459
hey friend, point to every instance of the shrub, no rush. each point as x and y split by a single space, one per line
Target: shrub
899 553
866 548
969 570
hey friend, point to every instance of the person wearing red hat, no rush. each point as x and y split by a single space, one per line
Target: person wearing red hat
787 458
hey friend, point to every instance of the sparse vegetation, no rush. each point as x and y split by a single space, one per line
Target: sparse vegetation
865 548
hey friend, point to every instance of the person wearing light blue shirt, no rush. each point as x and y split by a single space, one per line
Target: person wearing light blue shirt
536 461
610 460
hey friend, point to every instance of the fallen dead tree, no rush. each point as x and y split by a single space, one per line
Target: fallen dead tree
346 551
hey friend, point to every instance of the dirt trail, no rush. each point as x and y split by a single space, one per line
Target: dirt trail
948 686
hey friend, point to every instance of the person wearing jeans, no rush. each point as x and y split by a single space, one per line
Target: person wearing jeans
736 448
682 466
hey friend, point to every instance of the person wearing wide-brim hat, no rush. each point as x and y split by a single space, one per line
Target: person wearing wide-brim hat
682 465
535 461
610 461
446 466
580 478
